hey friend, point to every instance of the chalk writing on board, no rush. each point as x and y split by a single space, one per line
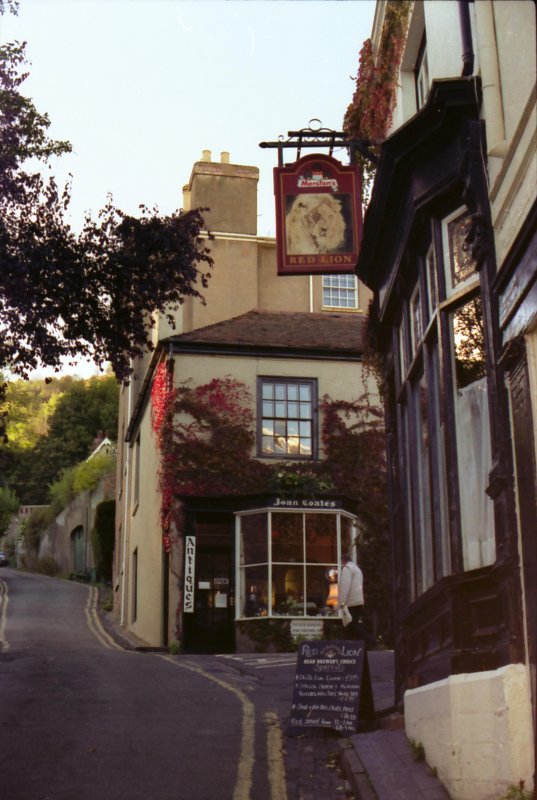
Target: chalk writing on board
331 684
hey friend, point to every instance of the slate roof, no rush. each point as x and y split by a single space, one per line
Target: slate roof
335 335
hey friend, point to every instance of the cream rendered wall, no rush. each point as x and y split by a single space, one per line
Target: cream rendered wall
513 173
341 380
476 730
145 537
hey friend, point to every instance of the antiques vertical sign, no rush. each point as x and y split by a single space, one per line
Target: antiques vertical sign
190 564
318 216
332 687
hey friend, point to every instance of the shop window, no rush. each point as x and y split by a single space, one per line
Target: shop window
288 562
474 458
442 376
287 418
340 291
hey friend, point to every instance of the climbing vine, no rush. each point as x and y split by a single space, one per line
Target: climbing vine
206 438
370 112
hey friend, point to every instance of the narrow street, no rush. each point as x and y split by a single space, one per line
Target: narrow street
85 719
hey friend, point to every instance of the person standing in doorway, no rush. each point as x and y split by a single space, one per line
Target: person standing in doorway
351 594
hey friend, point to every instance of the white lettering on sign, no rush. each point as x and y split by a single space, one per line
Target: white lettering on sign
281 502
190 563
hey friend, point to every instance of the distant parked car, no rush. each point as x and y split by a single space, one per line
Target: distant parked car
4 561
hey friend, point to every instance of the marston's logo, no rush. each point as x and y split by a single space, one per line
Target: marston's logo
316 180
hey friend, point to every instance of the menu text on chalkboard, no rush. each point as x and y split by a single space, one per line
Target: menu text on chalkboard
332 686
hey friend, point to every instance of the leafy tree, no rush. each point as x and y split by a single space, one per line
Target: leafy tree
9 504
63 296
79 413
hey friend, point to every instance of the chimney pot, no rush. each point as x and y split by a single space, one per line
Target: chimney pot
224 157
206 155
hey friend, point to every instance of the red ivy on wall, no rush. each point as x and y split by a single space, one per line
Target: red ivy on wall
370 112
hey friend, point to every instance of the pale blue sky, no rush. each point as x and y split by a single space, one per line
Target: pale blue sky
141 87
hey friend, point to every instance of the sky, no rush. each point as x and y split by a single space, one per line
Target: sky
141 87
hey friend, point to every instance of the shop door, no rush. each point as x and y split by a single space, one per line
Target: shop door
210 629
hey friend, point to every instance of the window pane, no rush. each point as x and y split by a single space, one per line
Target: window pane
346 535
268 409
292 410
469 343
268 391
255 582
287 537
293 427
305 447
254 539
305 410
280 410
305 393
474 457
292 391
321 538
288 589
460 262
318 593
279 391
268 444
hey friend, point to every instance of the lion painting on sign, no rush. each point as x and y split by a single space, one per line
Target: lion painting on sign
315 224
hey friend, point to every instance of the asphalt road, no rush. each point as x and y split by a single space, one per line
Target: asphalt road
83 719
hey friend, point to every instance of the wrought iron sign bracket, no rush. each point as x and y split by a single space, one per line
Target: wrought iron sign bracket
315 137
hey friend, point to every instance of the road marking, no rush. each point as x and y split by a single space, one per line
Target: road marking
247 755
94 623
276 767
4 600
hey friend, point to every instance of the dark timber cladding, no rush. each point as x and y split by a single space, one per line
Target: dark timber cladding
461 618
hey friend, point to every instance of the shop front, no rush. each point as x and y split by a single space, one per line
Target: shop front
261 575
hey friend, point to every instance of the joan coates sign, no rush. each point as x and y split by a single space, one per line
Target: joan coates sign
318 216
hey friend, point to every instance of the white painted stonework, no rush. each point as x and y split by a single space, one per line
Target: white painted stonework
476 730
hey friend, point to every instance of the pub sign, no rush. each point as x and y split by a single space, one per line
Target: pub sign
318 216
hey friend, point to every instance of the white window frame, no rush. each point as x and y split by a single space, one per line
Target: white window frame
334 287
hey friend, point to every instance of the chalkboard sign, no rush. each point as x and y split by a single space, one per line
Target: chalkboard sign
332 687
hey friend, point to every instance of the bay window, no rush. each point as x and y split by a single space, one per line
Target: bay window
288 561
441 374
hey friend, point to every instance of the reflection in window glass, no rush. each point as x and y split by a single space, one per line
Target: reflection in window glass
461 262
474 456
254 539
321 539
469 343
287 421
287 537
254 591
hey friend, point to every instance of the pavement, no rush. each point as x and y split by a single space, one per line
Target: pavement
377 763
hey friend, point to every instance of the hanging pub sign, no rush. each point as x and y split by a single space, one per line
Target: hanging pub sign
318 216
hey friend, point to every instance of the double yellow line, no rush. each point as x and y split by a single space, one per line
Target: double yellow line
94 623
243 786
276 768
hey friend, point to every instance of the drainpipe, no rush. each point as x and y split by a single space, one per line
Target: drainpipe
466 37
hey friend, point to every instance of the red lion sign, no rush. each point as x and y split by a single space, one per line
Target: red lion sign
318 216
